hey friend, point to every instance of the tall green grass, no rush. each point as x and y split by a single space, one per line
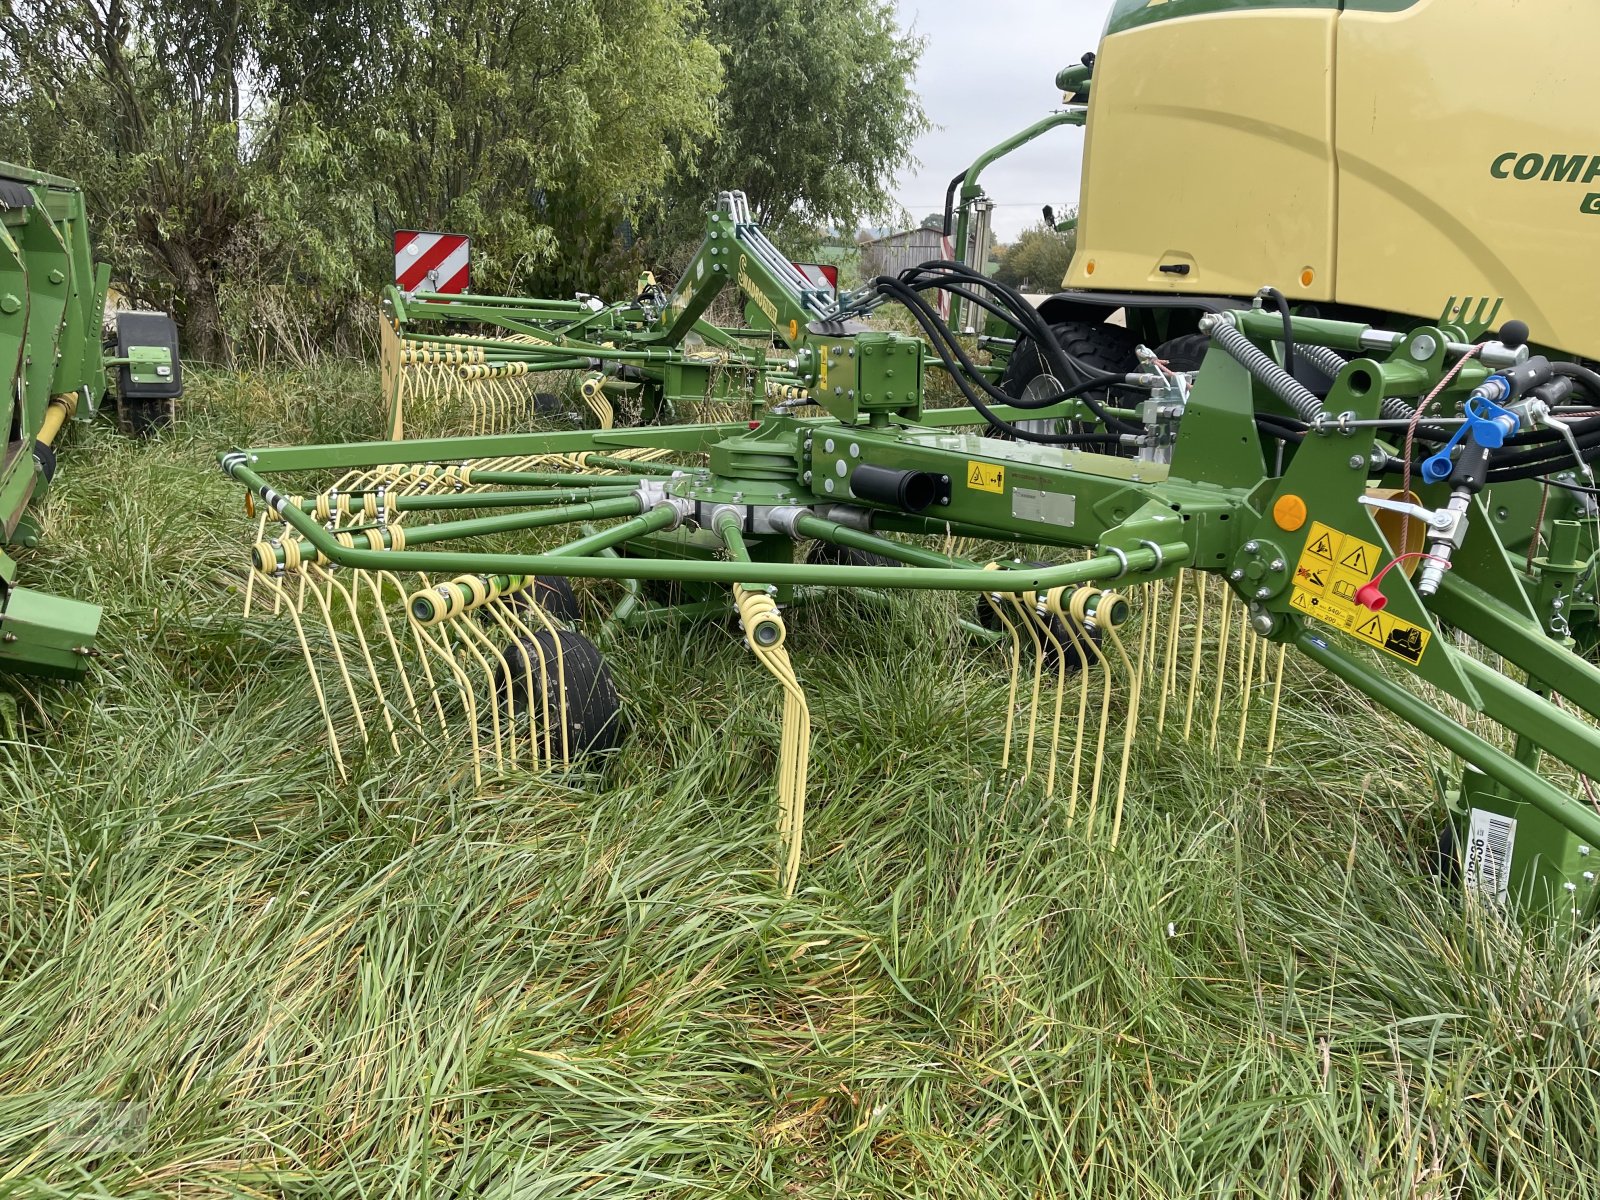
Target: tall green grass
223 973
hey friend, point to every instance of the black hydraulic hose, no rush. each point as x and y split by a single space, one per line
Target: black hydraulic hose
930 323
983 302
1289 423
946 345
950 203
1025 318
1277 298
961 371
941 335
1555 449
1581 375
1020 322
1577 488
1289 432
1548 444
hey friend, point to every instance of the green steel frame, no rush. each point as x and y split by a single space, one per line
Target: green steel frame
52 370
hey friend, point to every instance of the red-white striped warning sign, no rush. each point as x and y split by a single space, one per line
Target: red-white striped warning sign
430 262
820 275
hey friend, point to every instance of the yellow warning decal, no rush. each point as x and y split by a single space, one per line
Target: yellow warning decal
822 369
986 477
1332 567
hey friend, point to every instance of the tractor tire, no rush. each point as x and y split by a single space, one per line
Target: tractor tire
44 458
593 713
1098 346
1184 353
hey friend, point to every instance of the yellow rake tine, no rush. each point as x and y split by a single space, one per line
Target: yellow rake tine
1130 723
311 670
1169 667
1194 659
366 653
463 644
998 604
478 643
434 645
338 654
374 581
1027 618
1225 626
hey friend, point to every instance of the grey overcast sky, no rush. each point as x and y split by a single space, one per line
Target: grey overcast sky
988 70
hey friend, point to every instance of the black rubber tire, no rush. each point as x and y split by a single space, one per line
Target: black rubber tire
547 404
1187 352
1097 346
829 555
593 711
554 594
1184 353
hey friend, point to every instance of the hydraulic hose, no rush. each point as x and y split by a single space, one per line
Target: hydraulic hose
1581 375
965 373
1021 314
1278 299
943 275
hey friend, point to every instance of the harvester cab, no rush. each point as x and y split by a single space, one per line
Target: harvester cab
1218 478
54 363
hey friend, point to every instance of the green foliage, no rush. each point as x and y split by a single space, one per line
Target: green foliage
226 974
245 166
537 127
818 114
1038 260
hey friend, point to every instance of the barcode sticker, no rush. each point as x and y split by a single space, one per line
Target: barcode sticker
1490 840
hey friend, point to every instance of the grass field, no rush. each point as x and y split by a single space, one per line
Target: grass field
224 974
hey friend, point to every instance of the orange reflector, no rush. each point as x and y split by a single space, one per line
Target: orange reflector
1289 511
1307 277
249 504
1088 267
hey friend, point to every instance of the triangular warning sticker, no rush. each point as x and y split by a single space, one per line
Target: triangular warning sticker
1356 560
1322 547
1372 630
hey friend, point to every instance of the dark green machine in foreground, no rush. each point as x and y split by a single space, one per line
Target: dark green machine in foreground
1290 497
53 367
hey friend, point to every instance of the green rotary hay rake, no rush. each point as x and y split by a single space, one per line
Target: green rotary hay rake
1409 509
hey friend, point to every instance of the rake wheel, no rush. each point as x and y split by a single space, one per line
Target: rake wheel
551 593
580 704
